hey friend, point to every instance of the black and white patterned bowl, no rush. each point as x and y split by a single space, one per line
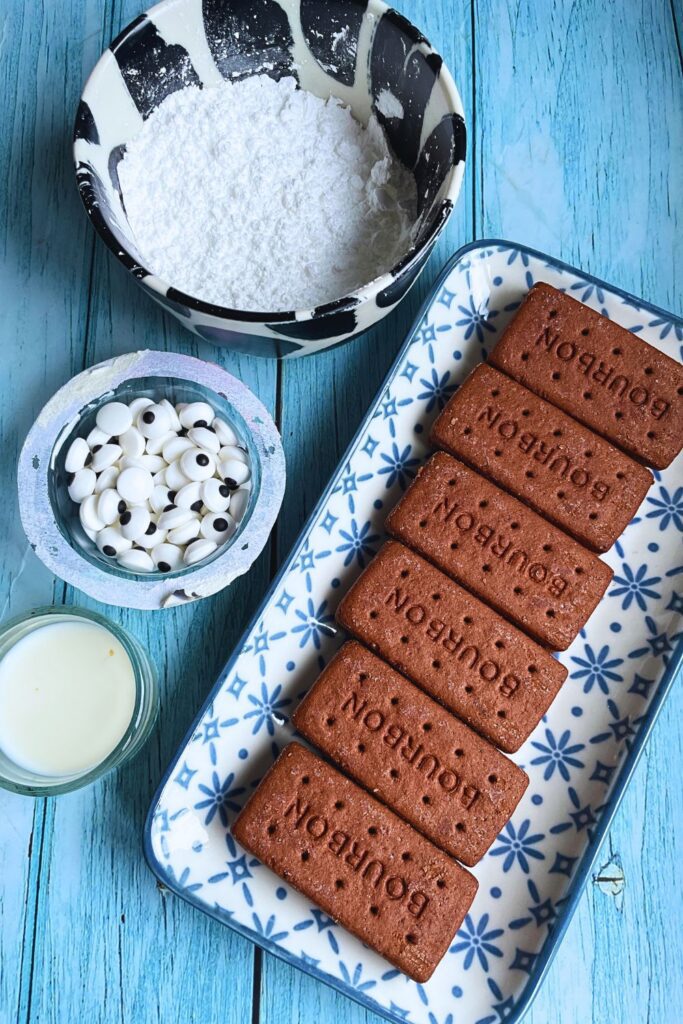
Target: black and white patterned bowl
356 50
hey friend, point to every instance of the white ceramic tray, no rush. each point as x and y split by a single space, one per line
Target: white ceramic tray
579 759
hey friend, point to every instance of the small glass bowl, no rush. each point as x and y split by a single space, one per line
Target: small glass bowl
20 780
51 520
66 511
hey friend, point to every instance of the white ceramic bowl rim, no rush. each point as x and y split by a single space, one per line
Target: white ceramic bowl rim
55 423
344 303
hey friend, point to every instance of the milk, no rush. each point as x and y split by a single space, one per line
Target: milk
67 696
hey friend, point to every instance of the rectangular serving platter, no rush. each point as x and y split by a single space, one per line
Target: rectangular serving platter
579 759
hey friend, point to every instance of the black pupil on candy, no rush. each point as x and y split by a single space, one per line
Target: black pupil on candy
152 528
202 460
97 448
168 508
201 423
88 458
121 507
109 550
220 525
196 506
125 518
224 491
148 417
232 484
164 567
171 495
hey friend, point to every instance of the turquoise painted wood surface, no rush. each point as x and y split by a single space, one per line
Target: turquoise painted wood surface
576 134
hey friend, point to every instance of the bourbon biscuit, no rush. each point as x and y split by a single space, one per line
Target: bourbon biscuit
532 573
461 652
598 372
357 860
564 471
417 757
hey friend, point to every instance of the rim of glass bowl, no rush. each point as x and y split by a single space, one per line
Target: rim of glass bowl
342 304
66 514
144 713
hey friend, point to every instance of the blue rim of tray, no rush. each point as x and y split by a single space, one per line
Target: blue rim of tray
589 857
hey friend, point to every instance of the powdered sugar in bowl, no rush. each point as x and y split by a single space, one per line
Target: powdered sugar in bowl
277 252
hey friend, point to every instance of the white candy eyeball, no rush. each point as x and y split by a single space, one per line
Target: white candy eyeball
87 513
132 443
114 418
218 527
134 522
238 503
224 432
175 517
198 550
77 454
175 447
185 533
111 542
82 484
153 421
155 445
197 465
167 557
104 457
152 536
160 498
196 414
233 451
204 438
175 478
215 495
172 414
137 405
190 496
234 473
97 436
152 463
107 478
110 505
134 485
135 560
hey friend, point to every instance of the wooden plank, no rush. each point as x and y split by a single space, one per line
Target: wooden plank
574 163
326 397
92 881
46 251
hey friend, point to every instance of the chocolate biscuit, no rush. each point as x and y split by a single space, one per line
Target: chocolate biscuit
531 572
456 648
598 372
419 759
357 860
564 471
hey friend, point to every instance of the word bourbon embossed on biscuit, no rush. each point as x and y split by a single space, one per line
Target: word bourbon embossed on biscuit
357 860
598 372
459 650
439 775
529 571
564 471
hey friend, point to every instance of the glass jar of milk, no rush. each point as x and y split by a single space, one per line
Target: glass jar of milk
78 697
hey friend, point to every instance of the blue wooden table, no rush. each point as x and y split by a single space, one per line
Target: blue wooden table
575 140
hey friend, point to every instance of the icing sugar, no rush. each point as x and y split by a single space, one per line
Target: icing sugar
259 196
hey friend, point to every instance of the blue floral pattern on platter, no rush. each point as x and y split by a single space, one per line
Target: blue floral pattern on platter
578 759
